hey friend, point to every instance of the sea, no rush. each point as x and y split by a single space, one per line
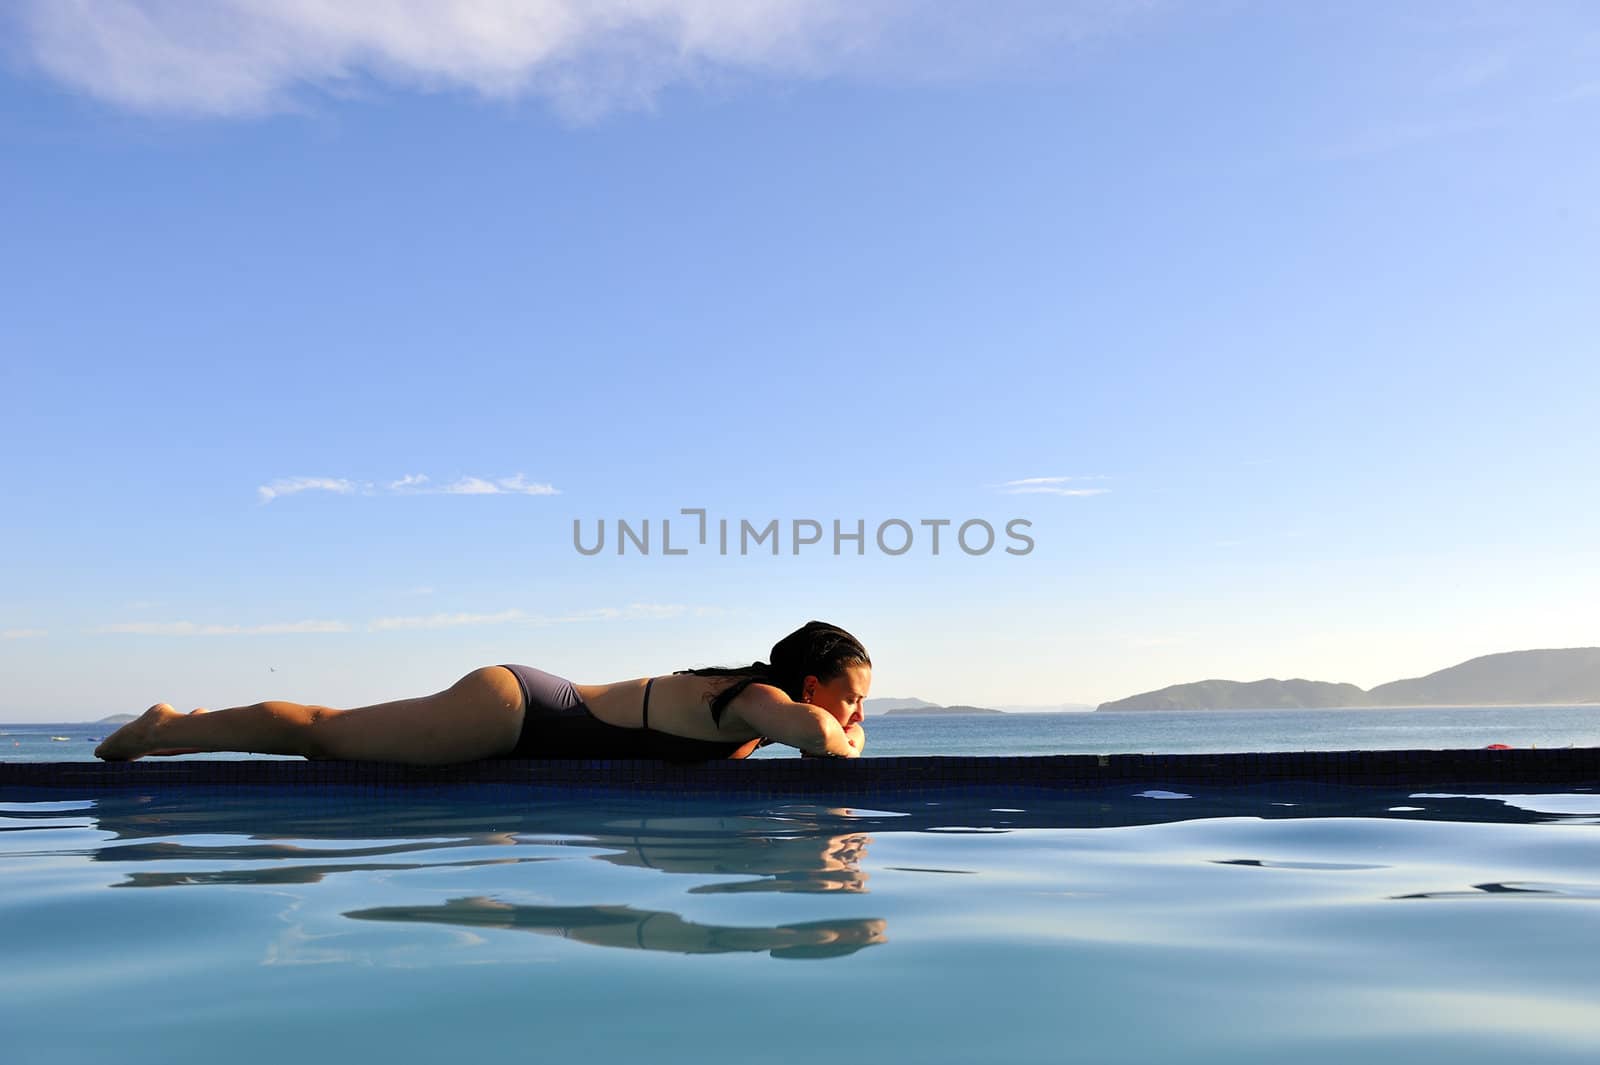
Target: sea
1122 732
1133 924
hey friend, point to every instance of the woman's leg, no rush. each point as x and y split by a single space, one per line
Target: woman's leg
480 716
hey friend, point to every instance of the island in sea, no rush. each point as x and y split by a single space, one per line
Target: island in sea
884 707
1565 676
117 719
881 706
908 711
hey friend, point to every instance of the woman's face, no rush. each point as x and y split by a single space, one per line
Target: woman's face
842 696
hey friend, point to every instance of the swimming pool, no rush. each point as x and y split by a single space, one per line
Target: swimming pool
1317 923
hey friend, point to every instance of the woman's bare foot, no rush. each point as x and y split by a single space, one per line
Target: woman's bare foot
141 736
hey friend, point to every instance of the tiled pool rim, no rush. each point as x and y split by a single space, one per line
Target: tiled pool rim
1567 766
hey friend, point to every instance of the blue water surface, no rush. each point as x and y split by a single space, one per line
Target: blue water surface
1155 922
1141 924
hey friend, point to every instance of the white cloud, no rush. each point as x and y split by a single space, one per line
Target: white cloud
636 612
246 57
21 634
472 486
410 484
445 621
1045 490
288 486
1057 486
190 628
1583 91
1389 135
518 485
631 612
298 626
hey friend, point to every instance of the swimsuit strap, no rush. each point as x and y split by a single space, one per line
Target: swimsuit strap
645 722
720 703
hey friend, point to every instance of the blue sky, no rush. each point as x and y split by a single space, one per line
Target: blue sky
1291 314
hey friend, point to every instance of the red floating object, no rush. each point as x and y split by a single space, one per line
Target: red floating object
1497 747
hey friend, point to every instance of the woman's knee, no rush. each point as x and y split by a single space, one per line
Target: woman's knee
319 736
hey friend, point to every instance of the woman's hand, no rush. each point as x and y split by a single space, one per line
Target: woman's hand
856 735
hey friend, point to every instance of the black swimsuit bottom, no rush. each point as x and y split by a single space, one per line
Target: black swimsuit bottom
556 723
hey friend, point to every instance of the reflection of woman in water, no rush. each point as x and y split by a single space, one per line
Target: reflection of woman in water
800 851
808 696
624 926
810 862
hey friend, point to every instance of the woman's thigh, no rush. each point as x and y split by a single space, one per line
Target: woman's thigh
479 716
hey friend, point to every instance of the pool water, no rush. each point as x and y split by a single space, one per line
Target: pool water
1309 924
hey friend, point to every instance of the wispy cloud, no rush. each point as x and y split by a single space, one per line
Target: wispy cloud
518 485
631 612
1055 486
288 486
409 485
1587 90
1396 135
249 57
190 628
1474 70
641 612
21 634
445 621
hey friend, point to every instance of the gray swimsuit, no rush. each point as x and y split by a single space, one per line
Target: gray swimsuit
556 723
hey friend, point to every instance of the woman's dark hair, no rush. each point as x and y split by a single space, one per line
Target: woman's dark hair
816 649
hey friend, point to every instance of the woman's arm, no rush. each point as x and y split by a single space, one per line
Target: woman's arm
769 712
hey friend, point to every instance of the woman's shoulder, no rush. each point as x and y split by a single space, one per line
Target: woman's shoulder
724 695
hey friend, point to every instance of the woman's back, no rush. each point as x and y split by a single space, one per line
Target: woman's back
680 704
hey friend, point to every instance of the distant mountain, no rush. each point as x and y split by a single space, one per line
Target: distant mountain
1571 675
1512 678
875 707
116 719
1237 695
907 711
883 706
